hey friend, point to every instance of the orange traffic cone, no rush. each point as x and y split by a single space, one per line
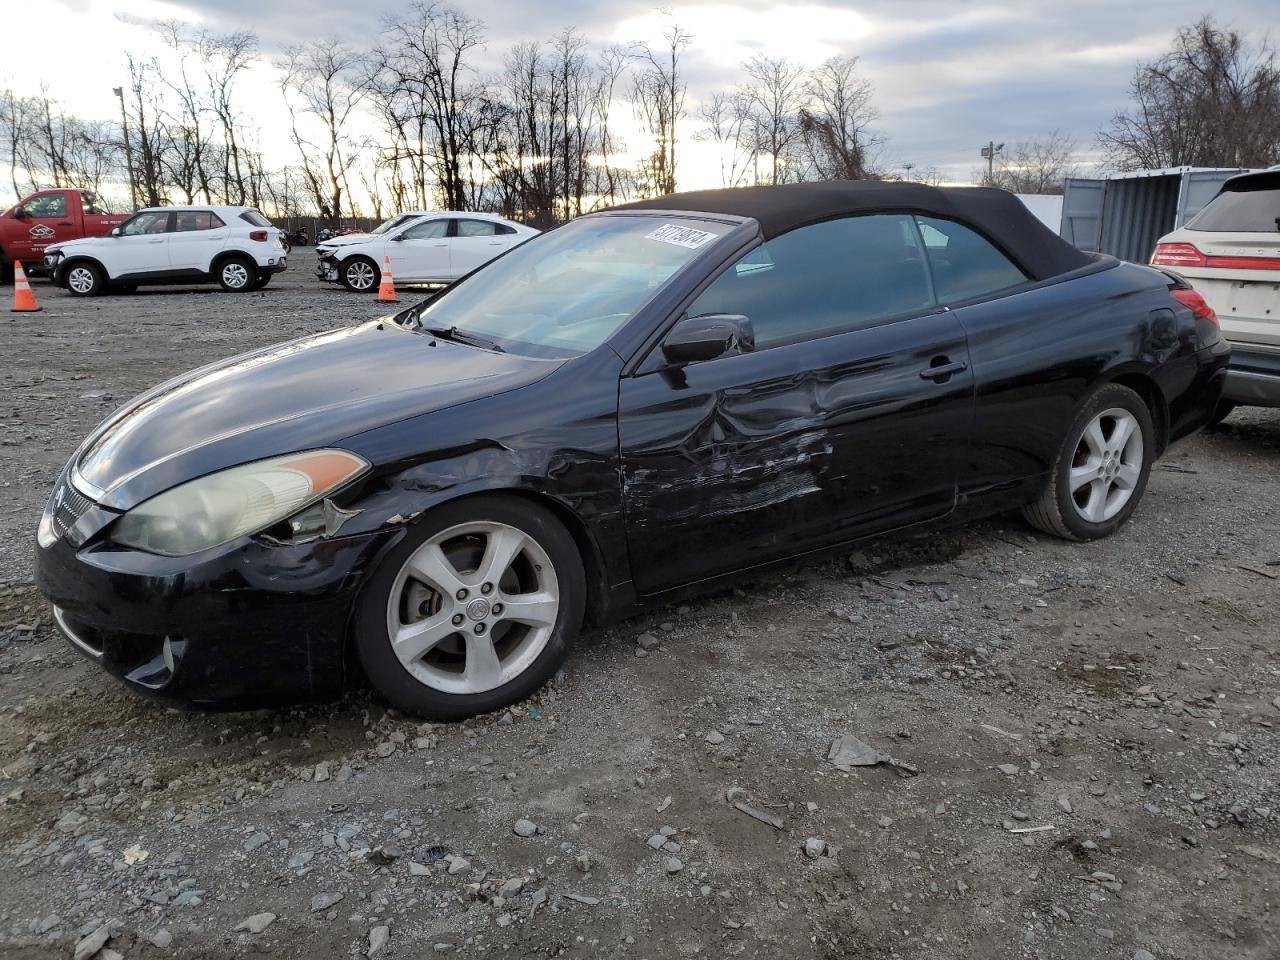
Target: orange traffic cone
387 289
24 300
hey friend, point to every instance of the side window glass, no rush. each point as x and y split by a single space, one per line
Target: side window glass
475 228
48 205
190 220
964 264
154 221
89 204
827 278
428 230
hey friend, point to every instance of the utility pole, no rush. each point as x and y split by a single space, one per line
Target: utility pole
988 153
907 167
128 148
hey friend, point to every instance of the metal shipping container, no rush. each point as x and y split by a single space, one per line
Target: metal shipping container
1126 213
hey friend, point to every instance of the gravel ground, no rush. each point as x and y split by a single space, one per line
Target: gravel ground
1093 730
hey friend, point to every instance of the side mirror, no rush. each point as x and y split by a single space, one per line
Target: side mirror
19 213
115 232
398 237
707 337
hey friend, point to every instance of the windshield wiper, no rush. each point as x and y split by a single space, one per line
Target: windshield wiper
463 336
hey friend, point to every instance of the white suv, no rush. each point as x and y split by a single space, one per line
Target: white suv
435 247
236 247
1230 252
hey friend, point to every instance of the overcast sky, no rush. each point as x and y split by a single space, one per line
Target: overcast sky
949 74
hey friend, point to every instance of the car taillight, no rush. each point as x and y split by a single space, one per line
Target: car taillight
1199 306
1178 255
258 235
1186 255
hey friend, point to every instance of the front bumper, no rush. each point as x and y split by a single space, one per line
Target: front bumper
1253 377
327 270
250 625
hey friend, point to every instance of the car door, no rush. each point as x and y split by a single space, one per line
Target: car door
852 415
421 251
141 247
476 242
197 236
44 219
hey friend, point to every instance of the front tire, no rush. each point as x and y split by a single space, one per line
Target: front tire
85 279
473 611
1101 470
237 274
360 275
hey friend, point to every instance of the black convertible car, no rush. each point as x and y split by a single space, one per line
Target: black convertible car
640 402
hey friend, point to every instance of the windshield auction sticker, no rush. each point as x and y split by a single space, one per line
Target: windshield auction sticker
681 236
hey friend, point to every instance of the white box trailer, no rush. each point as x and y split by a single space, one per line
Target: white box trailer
1124 214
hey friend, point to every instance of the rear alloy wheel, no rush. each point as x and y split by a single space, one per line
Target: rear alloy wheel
475 610
360 275
1102 469
85 280
237 274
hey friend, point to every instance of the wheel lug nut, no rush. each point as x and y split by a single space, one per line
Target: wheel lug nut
457 619
486 588
497 609
479 628
462 594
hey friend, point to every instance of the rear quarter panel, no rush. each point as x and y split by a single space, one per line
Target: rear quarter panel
1037 353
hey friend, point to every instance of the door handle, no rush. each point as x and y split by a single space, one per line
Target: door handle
940 372
440 244
158 240
64 223
495 243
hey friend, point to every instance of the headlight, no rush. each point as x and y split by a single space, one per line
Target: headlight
224 506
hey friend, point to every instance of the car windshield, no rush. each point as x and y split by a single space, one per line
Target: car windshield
1251 207
392 224
565 292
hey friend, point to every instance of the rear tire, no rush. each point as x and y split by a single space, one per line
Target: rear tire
360 275
236 274
262 281
85 279
1221 412
1101 470
503 622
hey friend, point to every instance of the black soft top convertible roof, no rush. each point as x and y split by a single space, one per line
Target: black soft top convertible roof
997 214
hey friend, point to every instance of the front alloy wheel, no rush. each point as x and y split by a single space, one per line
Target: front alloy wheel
84 280
360 275
473 611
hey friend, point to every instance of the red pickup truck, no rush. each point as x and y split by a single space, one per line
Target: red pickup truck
49 216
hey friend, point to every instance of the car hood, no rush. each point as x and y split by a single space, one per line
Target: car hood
63 245
345 240
301 395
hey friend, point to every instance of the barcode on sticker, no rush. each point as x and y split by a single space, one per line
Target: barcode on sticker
680 236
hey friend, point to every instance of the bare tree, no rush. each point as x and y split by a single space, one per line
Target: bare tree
835 123
775 94
322 80
657 96
1213 100
1038 165
726 123
225 57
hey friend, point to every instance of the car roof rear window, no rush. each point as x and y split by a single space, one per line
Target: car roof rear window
1245 205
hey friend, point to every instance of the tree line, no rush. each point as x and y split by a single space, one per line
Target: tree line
425 117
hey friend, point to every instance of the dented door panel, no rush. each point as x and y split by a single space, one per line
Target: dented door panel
742 460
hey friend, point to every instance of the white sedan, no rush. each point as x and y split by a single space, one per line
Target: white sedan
423 248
